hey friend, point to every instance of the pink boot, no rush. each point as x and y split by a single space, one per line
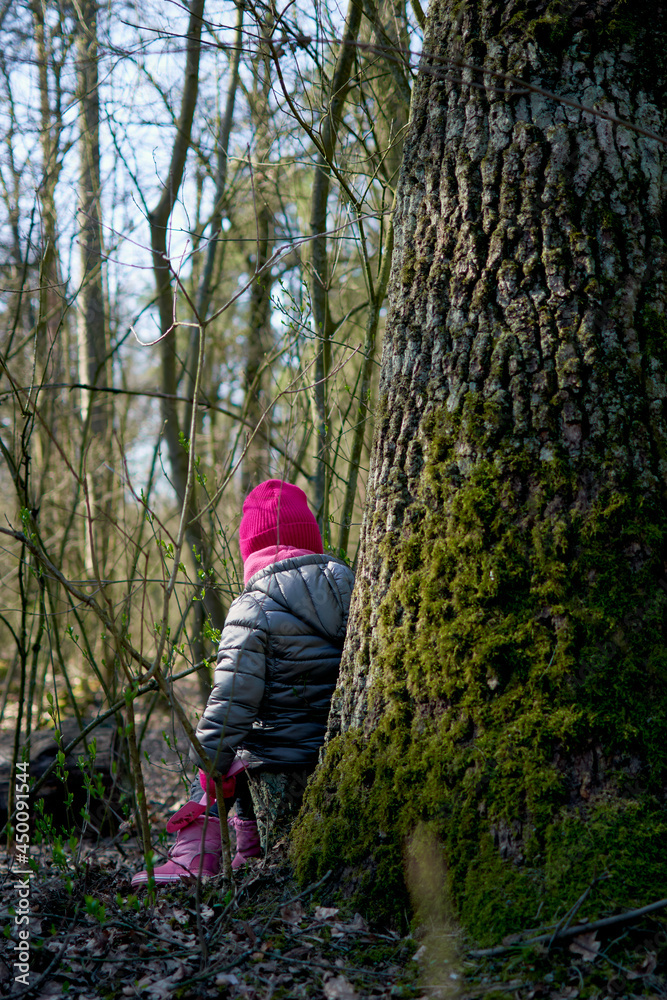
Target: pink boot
185 855
247 840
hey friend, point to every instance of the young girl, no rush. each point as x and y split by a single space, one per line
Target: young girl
277 667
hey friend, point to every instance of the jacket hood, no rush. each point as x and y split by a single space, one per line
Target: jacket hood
314 588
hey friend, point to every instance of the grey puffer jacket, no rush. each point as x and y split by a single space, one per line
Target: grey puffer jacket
278 664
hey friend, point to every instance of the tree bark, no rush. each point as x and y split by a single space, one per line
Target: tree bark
214 256
93 361
159 223
52 307
503 679
96 408
255 467
319 291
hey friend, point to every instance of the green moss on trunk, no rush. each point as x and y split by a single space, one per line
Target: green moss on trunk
504 678
515 636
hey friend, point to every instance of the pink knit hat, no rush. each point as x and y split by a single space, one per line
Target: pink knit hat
277 513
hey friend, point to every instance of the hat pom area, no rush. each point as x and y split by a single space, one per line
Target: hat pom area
277 513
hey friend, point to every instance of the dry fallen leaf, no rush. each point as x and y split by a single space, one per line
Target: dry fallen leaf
325 912
299 952
249 931
163 987
645 968
339 988
292 913
50 990
226 979
566 993
585 945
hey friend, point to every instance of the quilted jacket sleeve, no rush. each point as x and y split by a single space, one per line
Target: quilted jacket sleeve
238 685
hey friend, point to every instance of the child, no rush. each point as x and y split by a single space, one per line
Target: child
277 667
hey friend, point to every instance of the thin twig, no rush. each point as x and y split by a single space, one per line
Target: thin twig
571 932
309 888
571 914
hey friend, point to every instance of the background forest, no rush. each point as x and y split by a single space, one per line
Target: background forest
197 204
195 243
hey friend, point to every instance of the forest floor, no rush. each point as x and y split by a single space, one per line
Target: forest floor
91 938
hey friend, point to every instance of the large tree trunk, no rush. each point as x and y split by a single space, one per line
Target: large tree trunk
503 679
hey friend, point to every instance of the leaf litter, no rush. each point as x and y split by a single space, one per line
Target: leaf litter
92 939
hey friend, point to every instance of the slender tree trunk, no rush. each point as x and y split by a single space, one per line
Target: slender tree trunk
503 679
258 340
389 38
319 291
258 336
388 21
214 254
96 408
47 355
215 248
93 347
364 408
159 224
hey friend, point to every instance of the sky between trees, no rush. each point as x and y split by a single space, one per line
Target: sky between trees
274 147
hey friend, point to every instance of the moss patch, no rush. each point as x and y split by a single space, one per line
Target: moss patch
520 704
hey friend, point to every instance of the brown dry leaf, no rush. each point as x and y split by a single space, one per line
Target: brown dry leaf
263 967
163 988
283 979
325 912
226 979
50 990
645 968
166 986
339 988
250 932
567 993
292 913
585 945
300 951
144 983
180 916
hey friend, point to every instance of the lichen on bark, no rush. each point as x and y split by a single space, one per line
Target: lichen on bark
503 681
